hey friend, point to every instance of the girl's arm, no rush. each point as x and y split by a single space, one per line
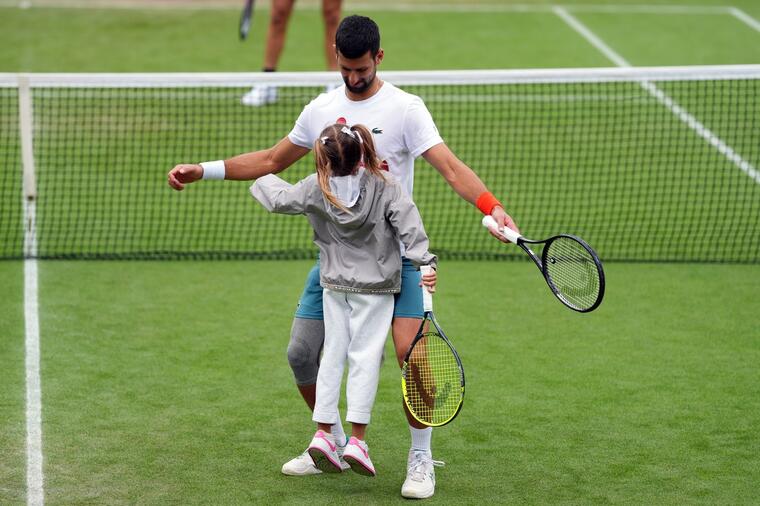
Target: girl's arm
279 196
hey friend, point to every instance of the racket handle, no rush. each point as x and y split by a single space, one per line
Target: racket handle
427 297
508 233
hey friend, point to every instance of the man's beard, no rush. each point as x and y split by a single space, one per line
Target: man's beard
363 85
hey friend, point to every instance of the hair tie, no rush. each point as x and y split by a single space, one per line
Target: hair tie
352 134
324 139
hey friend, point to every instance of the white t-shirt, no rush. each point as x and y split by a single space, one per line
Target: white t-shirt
401 125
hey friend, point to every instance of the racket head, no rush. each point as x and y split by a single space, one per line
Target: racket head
573 272
245 19
432 378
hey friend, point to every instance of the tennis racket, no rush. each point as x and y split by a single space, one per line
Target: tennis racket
245 19
570 267
432 377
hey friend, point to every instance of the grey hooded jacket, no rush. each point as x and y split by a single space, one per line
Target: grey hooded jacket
359 251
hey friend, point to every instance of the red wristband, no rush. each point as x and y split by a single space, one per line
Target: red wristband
486 202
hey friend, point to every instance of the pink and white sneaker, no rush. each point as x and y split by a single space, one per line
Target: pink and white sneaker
356 455
324 453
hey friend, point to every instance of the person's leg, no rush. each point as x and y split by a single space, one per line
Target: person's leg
307 337
278 29
306 340
279 15
369 324
323 449
359 431
331 18
336 348
407 317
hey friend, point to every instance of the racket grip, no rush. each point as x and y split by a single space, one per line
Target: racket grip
508 233
427 297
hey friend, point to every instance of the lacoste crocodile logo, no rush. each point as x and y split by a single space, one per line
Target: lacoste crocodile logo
377 130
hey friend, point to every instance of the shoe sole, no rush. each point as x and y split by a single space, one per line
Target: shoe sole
323 462
418 496
358 467
308 472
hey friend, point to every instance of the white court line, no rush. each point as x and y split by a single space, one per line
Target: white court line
35 495
663 98
591 37
34 479
364 6
745 18
646 9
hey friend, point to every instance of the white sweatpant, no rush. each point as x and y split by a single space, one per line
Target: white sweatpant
356 325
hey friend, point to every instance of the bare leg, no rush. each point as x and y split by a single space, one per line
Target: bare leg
404 330
309 394
278 27
359 430
331 17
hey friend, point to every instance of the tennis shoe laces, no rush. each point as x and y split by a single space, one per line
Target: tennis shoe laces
356 455
420 475
261 94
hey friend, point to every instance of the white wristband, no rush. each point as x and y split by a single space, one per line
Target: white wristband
213 170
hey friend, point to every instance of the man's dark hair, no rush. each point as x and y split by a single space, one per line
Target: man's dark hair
356 35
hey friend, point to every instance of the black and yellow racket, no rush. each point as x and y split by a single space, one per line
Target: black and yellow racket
432 377
570 266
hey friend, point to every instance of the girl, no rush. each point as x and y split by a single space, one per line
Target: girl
359 216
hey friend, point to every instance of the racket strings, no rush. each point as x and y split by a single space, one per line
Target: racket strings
573 271
433 380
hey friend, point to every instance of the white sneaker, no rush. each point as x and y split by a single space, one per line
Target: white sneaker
303 465
261 94
356 455
324 453
420 475
300 466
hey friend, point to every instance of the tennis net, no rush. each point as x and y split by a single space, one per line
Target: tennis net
646 164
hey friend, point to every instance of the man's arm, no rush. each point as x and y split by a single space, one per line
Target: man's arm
465 182
243 167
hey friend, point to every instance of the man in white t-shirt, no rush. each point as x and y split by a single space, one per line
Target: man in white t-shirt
403 130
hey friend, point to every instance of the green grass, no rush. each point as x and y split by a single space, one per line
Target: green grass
12 386
679 40
172 40
168 382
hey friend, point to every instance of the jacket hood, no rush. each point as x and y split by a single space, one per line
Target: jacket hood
357 214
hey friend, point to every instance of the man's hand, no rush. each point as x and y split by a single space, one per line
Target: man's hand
183 174
503 220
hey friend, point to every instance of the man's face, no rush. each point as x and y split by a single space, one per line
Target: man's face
359 73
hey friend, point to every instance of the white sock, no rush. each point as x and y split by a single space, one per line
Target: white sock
340 435
421 438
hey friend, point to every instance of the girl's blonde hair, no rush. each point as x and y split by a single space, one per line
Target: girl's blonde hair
339 151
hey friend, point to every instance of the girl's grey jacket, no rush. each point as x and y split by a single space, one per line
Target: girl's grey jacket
359 251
